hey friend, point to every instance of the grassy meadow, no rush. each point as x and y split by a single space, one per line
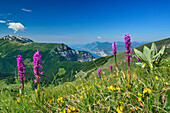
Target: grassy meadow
147 92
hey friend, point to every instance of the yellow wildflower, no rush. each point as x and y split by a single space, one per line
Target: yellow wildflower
60 100
149 90
18 100
98 102
121 103
157 78
163 89
77 86
139 94
136 108
81 85
167 83
118 89
111 88
128 85
68 111
81 97
139 99
72 108
64 111
141 103
82 91
156 62
51 100
144 64
131 108
99 85
119 109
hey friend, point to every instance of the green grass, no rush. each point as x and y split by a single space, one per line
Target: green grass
147 92
111 93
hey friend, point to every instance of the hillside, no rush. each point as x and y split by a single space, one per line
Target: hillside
54 57
109 60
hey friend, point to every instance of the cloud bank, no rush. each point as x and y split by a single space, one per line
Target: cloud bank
26 10
16 26
1 21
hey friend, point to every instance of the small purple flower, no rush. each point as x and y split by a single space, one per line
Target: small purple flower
37 66
114 48
99 72
128 51
21 68
111 68
138 59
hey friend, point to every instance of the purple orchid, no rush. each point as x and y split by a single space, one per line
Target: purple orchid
114 48
21 71
99 72
139 60
37 66
111 68
128 52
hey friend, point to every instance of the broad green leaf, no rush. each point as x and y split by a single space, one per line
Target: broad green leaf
139 64
162 50
141 56
147 53
153 50
159 54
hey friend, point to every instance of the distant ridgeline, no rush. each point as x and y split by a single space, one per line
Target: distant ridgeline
54 57
102 49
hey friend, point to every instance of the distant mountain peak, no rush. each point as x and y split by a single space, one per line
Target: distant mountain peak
18 38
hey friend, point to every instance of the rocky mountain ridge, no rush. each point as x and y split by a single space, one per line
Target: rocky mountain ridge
18 38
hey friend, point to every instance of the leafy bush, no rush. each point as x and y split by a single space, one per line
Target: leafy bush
150 57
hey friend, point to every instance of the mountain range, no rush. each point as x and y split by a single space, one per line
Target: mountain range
54 57
101 49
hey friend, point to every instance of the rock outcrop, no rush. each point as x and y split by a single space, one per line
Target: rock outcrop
17 38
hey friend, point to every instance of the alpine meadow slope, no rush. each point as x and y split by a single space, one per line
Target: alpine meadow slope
54 57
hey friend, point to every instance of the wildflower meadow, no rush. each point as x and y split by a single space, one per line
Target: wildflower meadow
109 88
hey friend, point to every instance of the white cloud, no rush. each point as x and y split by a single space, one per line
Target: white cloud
1 21
99 37
26 10
16 26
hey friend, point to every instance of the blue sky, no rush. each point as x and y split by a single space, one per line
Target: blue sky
82 21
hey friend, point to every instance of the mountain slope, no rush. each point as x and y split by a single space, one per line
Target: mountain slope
54 57
105 62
